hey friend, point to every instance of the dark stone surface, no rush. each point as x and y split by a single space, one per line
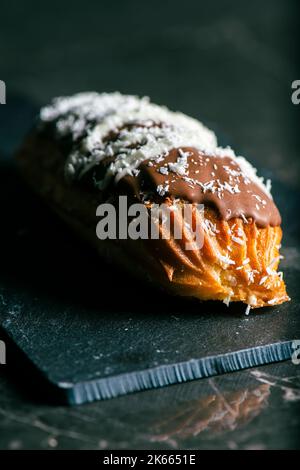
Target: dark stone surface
91 333
253 409
230 64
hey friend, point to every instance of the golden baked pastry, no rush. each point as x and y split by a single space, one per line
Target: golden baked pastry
91 148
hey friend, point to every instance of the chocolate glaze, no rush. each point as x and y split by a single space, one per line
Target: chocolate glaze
214 180
241 197
250 200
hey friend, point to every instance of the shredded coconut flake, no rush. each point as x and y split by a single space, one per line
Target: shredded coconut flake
275 300
263 280
225 259
238 240
146 131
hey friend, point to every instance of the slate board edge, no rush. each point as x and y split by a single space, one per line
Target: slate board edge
170 374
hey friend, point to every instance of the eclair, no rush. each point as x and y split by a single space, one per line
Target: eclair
89 150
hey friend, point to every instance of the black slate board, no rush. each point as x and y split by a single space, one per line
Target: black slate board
93 333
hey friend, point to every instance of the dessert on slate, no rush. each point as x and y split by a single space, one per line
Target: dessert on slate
91 148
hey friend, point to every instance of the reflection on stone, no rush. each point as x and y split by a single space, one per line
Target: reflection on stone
215 413
290 386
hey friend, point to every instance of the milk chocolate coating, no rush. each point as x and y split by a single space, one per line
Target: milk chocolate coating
230 192
251 201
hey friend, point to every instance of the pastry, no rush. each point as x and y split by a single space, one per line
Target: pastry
90 149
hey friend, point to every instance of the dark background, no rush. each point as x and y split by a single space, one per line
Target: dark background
228 63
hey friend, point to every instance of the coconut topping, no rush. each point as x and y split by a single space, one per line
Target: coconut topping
153 149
